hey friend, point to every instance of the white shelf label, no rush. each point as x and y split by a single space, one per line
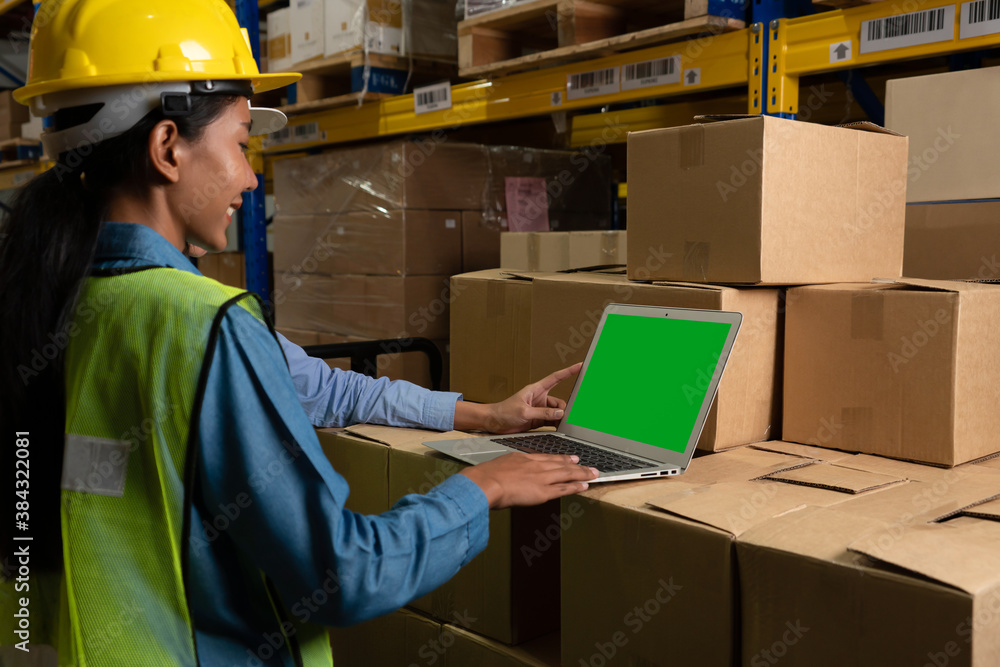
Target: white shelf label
652 73
435 97
840 52
23 177
979 18
896 32
557 98
692 77
592 84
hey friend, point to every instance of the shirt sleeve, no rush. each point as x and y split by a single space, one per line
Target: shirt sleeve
333 397
256 440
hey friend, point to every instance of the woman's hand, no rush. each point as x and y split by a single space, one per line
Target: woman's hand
529 479
527 409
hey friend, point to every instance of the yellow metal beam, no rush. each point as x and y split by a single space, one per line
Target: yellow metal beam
722 61
756 64
806 45
623 190
612 127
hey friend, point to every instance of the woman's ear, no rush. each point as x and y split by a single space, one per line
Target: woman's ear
166 150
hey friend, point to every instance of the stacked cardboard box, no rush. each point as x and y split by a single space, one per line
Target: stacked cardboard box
950 231
407 637
559 251
310 30
12 117
509 592
366 239
229 268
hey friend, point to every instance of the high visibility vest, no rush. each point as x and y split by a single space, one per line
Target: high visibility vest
136 371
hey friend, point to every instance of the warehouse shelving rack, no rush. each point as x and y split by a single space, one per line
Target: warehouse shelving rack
766 60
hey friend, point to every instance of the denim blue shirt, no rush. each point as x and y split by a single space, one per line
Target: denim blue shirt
268 500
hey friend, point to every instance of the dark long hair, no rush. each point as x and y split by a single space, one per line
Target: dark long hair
47 246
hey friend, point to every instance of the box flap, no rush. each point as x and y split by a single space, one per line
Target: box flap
817 532
527 275
989 462
967 559
868 126
703 286
739 465
806 451
402 437
944 285
734 507
614 269
989 510
836 478
719 117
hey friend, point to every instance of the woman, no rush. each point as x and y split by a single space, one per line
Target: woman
172 391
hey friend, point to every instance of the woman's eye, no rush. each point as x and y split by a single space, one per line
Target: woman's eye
245 148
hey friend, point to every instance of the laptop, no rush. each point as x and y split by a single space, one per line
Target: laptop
641 399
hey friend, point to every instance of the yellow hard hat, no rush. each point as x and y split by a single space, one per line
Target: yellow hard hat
81 44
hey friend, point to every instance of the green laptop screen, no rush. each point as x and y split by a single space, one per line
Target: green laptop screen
648 377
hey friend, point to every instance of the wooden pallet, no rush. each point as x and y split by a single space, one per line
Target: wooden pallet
545 32
328 83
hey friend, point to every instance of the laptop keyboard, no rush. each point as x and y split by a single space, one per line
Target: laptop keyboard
593 457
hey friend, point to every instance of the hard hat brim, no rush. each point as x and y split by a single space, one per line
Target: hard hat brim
266 121
262 83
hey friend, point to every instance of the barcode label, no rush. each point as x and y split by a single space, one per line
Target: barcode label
305 133
279 138
895 32
432 98
979 18
23 177
651 73
591 84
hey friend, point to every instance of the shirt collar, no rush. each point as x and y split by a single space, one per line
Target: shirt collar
138 245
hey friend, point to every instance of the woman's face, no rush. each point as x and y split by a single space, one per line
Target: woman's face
210 189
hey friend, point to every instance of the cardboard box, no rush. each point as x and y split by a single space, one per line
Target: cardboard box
766 200
279 40
364 464
509 592
604 248
229 268
408 637
534 251
951 124
300 337
352 23
877 580
490 334
665 560
307 28
395 363
433 29
952 241
560 251
906 370
444 176
370 307
480 241
567 308
12 117
399 242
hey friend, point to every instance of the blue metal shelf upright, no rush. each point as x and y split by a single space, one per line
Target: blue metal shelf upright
253 223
